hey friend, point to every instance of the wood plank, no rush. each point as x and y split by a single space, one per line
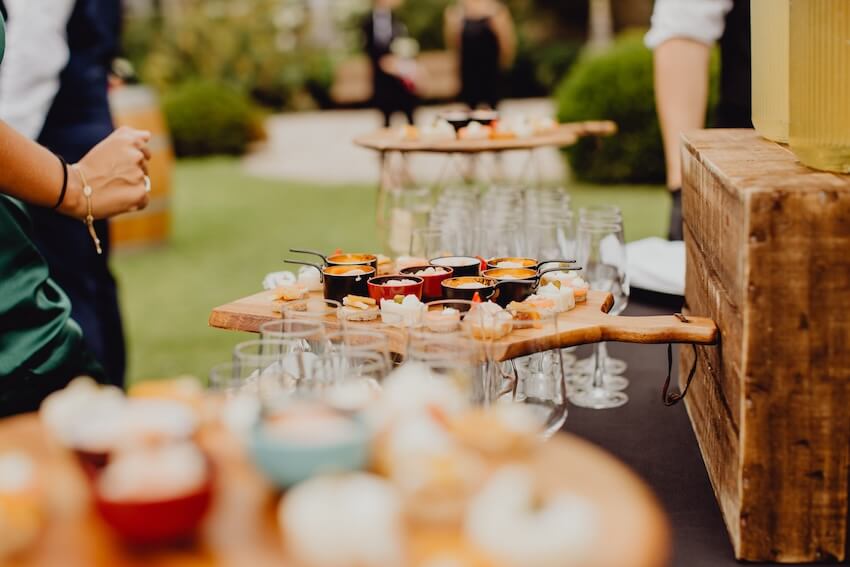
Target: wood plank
795 455
706 295
587 323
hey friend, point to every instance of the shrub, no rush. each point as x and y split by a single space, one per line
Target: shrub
207 118
617 85
257 46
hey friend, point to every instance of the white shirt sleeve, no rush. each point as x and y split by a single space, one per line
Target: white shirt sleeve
36 53
699 20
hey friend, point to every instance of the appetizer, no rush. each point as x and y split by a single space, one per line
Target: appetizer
153 473
385 265
516 525
489 321
402 311
403 262
310 278
445 320
562 295
358 308
475 131
290 292
408 133
353 520
441 131
504 430
21 514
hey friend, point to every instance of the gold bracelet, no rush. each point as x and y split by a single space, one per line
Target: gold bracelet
87 193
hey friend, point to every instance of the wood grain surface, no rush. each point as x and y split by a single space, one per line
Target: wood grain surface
589 322
388 140
767 258
241 529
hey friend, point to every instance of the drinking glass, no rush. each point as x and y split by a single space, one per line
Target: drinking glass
613 367
359 340
601 250
314 309
349 381
455 358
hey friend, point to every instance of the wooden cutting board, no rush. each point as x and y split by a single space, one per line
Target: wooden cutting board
589 322
387 140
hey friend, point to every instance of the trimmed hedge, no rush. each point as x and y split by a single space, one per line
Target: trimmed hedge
617 84
208 118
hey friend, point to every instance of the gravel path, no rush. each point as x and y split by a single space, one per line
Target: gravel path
317 147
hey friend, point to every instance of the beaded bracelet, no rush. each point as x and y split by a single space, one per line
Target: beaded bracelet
64 181
87 193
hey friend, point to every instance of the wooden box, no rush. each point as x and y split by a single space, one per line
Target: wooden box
768 257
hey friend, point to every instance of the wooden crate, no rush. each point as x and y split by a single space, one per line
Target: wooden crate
768 257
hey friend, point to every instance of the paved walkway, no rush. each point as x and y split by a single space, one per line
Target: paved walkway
317 147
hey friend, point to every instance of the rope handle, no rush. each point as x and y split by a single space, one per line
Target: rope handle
672 398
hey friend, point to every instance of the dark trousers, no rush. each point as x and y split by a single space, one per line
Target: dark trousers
85 277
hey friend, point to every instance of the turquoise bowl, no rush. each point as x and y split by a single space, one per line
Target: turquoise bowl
287 463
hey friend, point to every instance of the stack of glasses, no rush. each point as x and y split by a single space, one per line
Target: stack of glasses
497 221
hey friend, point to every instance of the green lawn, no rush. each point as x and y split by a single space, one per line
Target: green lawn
230 229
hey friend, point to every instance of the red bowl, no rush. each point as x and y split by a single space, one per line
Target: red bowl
91 462
157 522
432 288
381 288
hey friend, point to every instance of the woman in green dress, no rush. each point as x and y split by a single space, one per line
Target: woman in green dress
41 347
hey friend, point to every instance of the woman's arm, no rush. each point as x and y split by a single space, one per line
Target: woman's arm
451 27
503 26
115 169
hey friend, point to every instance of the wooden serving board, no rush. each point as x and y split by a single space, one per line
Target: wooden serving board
241 528
387 140
589 322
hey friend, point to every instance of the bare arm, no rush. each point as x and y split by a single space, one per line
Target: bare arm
451 28
681 93
115 169
503 26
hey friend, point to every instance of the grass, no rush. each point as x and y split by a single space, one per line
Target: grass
229 230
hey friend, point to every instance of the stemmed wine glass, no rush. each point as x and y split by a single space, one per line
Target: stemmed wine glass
613 367
601 250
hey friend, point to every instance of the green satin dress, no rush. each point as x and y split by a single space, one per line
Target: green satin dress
41 347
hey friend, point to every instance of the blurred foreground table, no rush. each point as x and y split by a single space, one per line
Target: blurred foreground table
241 529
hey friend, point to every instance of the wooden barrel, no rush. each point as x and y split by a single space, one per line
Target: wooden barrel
138 107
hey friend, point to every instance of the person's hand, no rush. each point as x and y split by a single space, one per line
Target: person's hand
116 170
389 64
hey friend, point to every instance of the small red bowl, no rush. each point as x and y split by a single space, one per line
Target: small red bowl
91 462
383 288
156 522
432 288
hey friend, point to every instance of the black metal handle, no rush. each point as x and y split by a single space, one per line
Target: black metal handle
299 262
311 252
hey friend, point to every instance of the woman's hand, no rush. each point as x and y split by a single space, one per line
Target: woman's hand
115 169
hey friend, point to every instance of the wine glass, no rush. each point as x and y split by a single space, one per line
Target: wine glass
613 367
601 250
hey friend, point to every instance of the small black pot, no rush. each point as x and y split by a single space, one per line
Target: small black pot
337 285
515 284
486 292
358 259
471 268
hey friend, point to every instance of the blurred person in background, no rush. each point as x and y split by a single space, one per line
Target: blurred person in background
482 31
393 90
53 89
682 35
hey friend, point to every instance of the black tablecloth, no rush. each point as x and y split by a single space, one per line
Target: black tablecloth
659 444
